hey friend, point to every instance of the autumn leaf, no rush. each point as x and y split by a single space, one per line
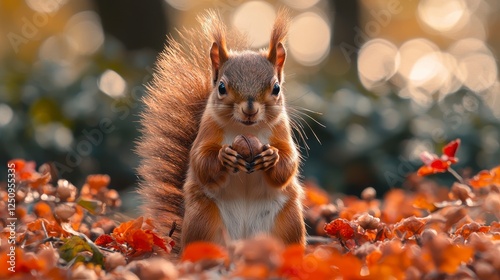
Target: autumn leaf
24 170
104 240
43 210
423 202
314 195
80 250
340 228
467 229
322 263
98 181
133 240
197 251
486 178
95 207
252 271
434 164
410 226
292 258
452 256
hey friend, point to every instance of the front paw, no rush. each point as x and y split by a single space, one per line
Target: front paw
231 159
265 160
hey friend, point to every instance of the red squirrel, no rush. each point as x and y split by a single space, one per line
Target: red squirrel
201 97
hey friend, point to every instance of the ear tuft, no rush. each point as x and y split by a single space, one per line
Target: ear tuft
218 55
277 52
215 30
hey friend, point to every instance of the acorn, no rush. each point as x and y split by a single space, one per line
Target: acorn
248 146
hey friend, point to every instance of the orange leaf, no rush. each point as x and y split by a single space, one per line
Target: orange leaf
452 256
423 202
340 228
314 195
43 210
251 271
140 241
425 170
486 178
121 232
292 260
160 242
98 181
201 250
24 170
410 226
469 228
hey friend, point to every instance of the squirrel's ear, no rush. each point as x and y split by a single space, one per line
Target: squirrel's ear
277 56
277 53
218 55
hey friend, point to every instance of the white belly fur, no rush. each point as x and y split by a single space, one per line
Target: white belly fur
248 205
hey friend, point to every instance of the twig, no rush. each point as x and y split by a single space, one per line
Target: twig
456 175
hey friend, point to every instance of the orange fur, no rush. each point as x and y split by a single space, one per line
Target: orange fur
287 167
290 232
188 167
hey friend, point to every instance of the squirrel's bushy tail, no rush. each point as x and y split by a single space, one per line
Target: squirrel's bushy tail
174 103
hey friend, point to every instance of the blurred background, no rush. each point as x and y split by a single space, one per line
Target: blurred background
387 78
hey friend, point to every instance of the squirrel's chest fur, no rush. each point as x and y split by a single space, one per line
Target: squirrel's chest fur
248 205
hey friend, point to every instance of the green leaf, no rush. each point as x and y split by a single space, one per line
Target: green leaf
95 207
78 249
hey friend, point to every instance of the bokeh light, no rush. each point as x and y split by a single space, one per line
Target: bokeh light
46 6
410 52
112 84
6 114
307 47
85 33
54 135
244 20
377 62
443 15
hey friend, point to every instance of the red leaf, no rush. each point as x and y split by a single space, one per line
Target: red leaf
340 228
434 164
439 165
451 148
104 240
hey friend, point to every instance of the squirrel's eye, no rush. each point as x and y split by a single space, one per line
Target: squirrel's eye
276 89
222 88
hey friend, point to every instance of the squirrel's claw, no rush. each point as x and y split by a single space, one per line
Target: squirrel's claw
265 160
231 159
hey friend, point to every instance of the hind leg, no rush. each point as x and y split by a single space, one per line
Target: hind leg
289 224
202 222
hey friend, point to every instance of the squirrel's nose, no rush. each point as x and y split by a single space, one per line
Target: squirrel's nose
250 112
251 108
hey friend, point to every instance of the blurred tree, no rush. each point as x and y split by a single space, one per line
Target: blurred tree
137 24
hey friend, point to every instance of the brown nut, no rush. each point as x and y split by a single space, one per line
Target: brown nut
248 146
